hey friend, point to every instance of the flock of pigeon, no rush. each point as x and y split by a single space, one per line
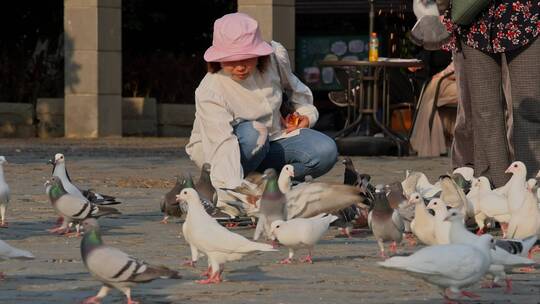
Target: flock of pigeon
297 216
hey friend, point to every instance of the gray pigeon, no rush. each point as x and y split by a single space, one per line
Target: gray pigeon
73 208
169 206
4 193
272 205
385 223
398 201
204 185
114 268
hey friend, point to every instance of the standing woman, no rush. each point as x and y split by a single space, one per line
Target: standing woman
238 127
502 65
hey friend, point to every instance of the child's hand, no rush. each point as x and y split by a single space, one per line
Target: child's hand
295 121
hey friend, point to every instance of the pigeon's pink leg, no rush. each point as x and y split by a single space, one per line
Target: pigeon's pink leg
2 276
102 293
4 224
480 231
504 228
508 285
286 261
164 220
207 273
393 247
92 300
274 244
213 279
307 259
231 225
469 294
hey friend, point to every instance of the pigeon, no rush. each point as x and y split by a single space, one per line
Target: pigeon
271 206
515 189
489 204
452 266
169 206
113 267
215 241
309 199
251 192
418 182
59 170
454 196
9 252
397 199
463 183
466 172
525 221
442 228
423 224
500 258
4 193
350 176
345 218
301 233
71 207
204 184
385 223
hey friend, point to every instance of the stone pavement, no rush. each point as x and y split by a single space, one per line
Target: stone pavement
139 171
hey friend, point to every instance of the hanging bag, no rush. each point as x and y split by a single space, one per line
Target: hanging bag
464 11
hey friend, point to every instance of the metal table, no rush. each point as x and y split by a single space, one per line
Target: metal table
365 108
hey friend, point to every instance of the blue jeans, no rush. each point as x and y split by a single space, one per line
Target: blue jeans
310 152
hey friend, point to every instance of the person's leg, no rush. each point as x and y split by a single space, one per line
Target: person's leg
524 69
491 152
310 152
463 144
253 140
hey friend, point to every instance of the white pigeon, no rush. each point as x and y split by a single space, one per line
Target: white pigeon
500 258
489 204
516 187
525 221
4 193
301 233
418 182
285 178
466 172
423 224
9 252
442 228
452 266
215 241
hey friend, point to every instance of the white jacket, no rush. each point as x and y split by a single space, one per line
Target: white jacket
221 103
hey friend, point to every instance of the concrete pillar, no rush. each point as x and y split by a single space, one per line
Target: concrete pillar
276 19
93 68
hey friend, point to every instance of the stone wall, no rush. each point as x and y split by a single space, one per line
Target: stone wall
16 120
140 117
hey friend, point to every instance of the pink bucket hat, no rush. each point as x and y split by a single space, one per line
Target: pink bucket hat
236 37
